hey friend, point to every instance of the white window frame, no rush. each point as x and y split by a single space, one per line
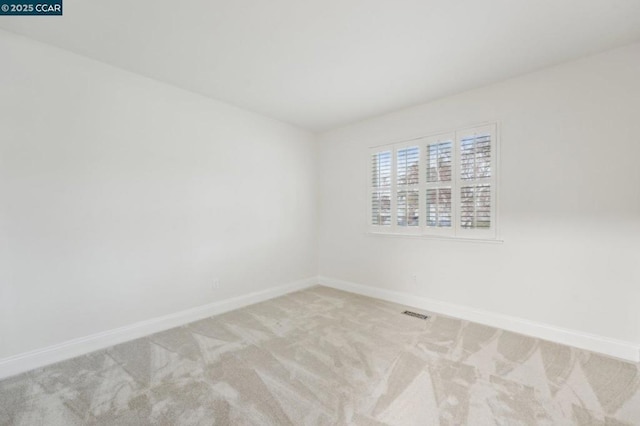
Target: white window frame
455 231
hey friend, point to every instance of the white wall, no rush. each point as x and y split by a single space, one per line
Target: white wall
122 199
569 201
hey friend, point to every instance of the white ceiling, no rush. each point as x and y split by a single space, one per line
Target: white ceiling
324 63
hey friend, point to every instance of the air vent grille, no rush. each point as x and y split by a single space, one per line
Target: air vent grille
416 315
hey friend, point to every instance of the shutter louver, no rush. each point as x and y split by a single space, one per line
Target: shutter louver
407 180
381 188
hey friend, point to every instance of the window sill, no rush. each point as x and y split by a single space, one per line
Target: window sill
434 237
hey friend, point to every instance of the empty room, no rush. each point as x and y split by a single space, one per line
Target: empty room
337 212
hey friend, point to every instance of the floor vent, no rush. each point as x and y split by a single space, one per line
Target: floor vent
416 315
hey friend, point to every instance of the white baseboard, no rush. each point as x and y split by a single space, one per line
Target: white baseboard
41 357
620 349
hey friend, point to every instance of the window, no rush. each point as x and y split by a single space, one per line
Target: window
438 185
380 193
407 187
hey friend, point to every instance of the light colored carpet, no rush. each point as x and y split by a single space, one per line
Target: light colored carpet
326 357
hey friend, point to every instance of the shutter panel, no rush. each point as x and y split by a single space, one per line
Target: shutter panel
475 157
439 184
381 208
475 207
439 207
476 181
380 188
407 189
439 162
381 169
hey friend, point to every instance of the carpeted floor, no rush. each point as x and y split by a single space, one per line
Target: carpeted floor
326 357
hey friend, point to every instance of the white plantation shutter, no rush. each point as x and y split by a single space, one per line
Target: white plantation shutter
475 206
408 187
476 181
440 185
380 188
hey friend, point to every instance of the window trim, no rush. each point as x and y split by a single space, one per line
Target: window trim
455 232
